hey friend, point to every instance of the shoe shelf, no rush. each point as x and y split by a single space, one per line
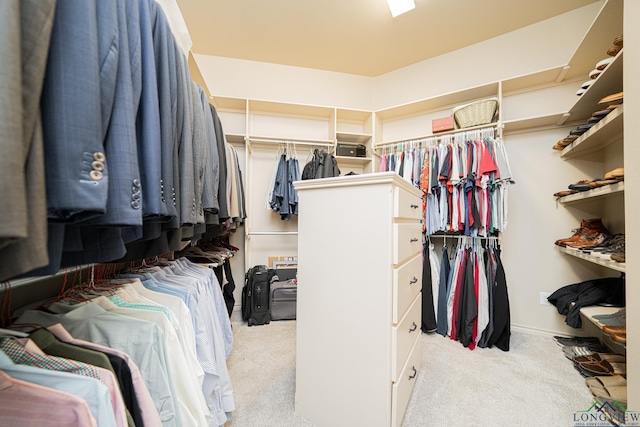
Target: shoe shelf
593 310
618 266
605 190
605 132
607 83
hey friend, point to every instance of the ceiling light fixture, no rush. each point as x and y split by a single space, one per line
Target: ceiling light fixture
398 7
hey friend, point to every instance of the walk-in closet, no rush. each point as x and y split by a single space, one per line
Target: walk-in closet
442 195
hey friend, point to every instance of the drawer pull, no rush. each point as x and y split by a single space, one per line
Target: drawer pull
415 372
414 206
414 280
413 328
415 239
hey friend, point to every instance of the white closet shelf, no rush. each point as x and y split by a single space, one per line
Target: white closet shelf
594 310
605 132
607 83
347 160
351 137
618 266
287 109
439 102
607 190
234 138
527 123
233 104
593 47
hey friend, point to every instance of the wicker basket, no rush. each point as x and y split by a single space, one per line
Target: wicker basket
475 113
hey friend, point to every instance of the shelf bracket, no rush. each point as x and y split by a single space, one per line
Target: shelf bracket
563 73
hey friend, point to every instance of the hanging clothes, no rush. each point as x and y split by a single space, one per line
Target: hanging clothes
283 197
428 312
473 301
172 321
464 177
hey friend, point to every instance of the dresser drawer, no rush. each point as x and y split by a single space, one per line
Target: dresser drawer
406 205
407 242
404 336
401 391
407 283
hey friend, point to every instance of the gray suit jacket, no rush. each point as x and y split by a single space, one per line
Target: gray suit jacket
25 31
165 79
199 144
187 193
223 212
212 171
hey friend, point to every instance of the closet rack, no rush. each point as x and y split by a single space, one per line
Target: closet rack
272 233
284 141
476 132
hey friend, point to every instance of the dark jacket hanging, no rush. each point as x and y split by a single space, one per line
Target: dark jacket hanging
428 312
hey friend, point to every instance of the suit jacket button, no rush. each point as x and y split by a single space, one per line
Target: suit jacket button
97 166
99 156
136 182
135 204
135 197
95 175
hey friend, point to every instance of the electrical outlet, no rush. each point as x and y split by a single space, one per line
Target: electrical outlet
543 298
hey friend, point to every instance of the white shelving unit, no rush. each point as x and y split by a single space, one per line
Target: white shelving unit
604 191
603 142
613 265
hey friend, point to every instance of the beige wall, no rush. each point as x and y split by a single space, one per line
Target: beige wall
532 263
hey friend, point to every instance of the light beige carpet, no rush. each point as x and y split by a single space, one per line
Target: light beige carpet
531 385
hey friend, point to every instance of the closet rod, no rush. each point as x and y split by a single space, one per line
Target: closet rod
272 233
35 279
292 141
438 136
444 236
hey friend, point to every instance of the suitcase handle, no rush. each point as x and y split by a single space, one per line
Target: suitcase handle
415 372
414 280
413 328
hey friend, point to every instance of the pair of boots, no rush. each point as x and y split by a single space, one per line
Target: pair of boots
592 232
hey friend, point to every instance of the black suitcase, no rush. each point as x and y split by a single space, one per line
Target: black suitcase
256 295
284 295
351 150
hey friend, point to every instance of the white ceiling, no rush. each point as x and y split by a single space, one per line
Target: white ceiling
354 36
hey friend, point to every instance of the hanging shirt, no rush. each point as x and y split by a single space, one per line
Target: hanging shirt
91 391
140 339
24 403
148 411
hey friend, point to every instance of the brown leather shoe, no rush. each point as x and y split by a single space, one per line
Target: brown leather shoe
618 257
591 233
614 329
621 338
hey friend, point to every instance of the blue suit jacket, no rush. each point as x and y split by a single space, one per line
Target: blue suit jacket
76 176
